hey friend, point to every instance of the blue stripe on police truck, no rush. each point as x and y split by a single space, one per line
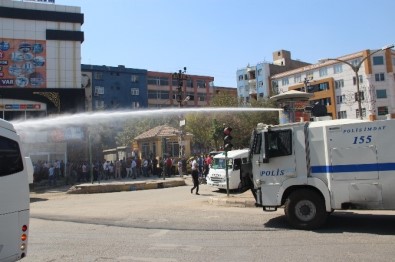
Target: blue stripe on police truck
354 168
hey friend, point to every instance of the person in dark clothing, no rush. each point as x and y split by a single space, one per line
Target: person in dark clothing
195 177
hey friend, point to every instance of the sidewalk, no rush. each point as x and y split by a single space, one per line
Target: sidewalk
234 199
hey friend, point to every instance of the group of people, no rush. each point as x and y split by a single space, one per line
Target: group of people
48 170
119 169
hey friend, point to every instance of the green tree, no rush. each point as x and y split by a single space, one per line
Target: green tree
208 128
130 129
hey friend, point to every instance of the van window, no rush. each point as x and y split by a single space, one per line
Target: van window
237 164
10 157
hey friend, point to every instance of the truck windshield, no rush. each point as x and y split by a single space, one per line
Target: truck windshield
219 163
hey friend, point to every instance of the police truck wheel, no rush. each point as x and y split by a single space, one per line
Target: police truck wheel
305 209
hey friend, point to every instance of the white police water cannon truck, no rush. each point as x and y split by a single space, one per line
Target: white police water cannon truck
314 168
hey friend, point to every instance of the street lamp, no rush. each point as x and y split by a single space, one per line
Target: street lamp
356 68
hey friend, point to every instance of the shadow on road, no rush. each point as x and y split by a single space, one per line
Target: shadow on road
341 222
37 199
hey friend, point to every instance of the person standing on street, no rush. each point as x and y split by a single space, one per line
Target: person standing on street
195 176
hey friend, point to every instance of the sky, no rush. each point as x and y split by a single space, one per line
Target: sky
218 37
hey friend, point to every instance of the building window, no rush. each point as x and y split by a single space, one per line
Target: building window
163 81
189 83
99 90
381 93
259 72
240 77
298 78
202 97
339 84
145 149
285 81
135 104
134 79
201 84
157 94
323 86
134 91
337 68
355 81
355 62
340 99
342 114
98 75
173 148
382 110
153 81
379 77
378 60
323 72
191 96
99 104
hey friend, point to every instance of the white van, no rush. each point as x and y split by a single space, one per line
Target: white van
238 169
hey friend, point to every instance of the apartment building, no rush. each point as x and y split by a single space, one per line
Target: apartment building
333 83
114 88
253 81
163 87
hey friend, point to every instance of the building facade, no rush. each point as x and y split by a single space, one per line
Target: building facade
40 48
334 84
163 89
253 82
114 88
40 73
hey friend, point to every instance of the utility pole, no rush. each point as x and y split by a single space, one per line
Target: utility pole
180 76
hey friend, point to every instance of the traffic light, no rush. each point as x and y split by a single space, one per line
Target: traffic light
227 139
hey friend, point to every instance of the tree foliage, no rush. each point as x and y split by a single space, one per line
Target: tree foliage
208 128
131 129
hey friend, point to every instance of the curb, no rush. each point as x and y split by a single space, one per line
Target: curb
126 186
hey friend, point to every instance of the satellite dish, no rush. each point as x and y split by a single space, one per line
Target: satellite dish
319 110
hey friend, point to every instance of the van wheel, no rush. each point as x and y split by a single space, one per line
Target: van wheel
305 209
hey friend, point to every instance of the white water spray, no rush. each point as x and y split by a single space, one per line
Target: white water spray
103 117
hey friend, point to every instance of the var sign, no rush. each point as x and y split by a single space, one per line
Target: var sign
6 82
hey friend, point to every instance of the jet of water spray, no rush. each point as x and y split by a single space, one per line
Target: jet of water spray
62 121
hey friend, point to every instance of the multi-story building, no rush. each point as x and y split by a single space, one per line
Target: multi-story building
112 88
40 72
163 90
253 82
40 56
334 84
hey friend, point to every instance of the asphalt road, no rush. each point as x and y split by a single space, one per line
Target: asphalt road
173 225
